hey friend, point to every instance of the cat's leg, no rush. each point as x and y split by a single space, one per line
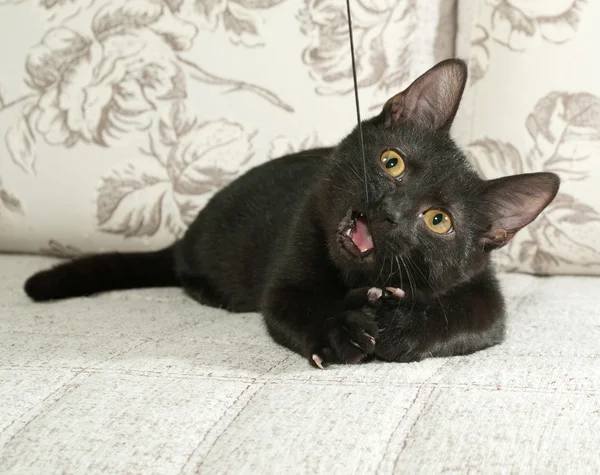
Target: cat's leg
414 330
322 329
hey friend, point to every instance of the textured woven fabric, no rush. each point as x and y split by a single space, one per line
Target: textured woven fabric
151 382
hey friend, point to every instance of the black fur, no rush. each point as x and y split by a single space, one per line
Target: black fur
271 241
103 272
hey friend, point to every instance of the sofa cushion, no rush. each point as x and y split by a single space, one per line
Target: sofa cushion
534 105
120 119
149 381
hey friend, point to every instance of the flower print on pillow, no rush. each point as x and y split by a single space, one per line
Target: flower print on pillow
240 19
102 88
382 31
517 24
564 137
514 22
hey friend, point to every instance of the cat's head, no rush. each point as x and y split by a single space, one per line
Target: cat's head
428 213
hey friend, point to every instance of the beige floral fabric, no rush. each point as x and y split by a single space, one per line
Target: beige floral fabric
119 119
534 105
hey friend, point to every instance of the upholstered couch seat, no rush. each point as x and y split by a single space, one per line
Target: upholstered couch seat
150 382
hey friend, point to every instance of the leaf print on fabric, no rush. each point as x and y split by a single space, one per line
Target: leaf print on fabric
54 12
20 140
59 11
501 157
138 199
480 54
197 73
382 31
565 134
174 5
179 122
57 249
133 203
566 131
515 22
9 202
241 19
561 235
283 145
208 157
49 4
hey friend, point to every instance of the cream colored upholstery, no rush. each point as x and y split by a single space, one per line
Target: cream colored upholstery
151 382
534 105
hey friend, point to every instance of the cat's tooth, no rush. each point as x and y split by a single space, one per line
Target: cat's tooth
348 232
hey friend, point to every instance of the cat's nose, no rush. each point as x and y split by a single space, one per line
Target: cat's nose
390 210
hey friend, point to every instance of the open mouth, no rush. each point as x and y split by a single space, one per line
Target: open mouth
356 236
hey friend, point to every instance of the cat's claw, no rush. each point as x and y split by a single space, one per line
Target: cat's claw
352 336
375 293
323 357
318 361
396 292
369 336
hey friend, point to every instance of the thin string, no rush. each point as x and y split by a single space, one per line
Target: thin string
360 132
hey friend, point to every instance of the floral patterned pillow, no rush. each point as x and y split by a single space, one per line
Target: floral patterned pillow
534 105
119 119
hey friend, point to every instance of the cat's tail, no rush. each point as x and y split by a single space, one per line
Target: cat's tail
103 272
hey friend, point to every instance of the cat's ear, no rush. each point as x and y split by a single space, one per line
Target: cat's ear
432 100
513 202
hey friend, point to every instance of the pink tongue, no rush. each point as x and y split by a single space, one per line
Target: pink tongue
362 237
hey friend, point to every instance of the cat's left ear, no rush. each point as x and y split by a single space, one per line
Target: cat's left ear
513 202
432 100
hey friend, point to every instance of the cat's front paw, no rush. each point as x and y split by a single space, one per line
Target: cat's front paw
350 339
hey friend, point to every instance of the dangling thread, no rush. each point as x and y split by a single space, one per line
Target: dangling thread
360 132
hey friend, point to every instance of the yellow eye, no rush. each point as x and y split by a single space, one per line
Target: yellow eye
438 221
392 163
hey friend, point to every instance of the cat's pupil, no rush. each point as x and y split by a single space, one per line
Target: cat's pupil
391 163
437 219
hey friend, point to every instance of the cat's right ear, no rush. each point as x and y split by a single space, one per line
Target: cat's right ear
432 100
512 202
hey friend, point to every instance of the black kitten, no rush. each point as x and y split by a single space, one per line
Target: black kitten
296 239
